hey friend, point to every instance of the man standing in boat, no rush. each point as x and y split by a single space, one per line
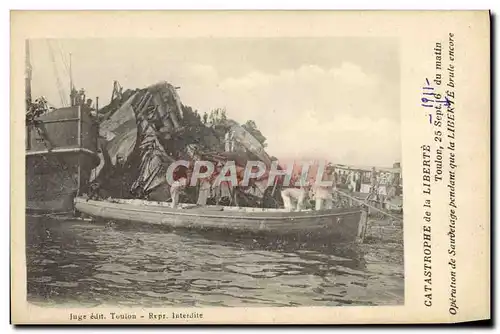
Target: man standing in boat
120 170
180 182
323 195
204 187
294 198
175 190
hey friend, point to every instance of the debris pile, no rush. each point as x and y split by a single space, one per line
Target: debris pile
143 131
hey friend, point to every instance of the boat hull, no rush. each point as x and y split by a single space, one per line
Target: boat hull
53 180
60 155
340 224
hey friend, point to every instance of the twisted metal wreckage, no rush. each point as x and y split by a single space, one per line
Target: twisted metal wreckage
143 131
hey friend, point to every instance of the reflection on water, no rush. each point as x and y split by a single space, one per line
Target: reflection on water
90 264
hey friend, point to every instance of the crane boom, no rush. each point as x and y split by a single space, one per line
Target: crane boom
29 70
58 80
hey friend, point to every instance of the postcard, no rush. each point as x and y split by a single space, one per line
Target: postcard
250 167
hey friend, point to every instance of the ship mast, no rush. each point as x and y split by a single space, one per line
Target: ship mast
72 91
70 73
28 74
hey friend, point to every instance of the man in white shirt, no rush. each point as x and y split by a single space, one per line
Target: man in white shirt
323 195
175 190
292 196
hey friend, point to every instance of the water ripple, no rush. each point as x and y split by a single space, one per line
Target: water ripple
92 264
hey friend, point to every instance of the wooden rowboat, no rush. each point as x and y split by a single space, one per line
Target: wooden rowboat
337 224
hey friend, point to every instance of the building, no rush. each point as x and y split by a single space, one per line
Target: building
386 177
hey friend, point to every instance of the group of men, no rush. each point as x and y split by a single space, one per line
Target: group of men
205 185
294 198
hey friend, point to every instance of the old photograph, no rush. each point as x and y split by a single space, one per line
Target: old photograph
195 172
250 167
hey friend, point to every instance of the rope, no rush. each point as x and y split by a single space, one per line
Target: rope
368 205
65 63
58 81
43 134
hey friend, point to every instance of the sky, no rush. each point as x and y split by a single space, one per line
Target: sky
334 99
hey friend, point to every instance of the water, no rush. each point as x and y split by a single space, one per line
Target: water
90 264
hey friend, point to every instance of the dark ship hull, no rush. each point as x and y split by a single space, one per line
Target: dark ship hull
61 152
